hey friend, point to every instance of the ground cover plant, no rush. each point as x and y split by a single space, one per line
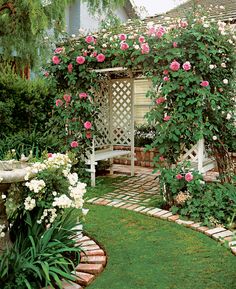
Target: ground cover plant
144 252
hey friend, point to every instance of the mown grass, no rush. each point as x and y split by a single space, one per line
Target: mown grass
148 253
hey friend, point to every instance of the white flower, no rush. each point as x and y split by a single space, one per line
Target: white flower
214 137
222 7
2 235
54 193
136 46
228 116
35 185
225 81
73 179
73 35
206 25
62 202
223 65
211 66
29 203
104 45
3 196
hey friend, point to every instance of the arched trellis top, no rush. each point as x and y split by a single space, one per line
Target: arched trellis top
115 121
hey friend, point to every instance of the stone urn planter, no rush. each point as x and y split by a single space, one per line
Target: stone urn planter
10 172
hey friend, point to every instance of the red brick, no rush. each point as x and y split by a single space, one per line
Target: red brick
90 268
202 229
72 285
210 232
98 252
94 259
84 279
90 248
173 218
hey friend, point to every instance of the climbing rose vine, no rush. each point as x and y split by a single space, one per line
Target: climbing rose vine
192 70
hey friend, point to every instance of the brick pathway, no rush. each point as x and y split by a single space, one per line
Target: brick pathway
140 189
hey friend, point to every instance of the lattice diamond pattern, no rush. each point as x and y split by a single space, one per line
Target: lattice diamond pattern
114 127
103 118
121 111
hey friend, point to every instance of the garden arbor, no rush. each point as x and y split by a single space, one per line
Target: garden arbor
192 88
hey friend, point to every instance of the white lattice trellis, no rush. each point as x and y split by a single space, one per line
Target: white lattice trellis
115 122
198 157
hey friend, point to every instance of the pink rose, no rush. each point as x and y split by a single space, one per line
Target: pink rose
183 24
88 135
165 72
100 57
58 50
186 66
122 37
161 158
70 67
145 48
175 66
59 102
74 144
175 44
124 46
188 177
166 78
85 53
67 98
46 73
80 59
87 125
94 54
166 118
151 30
83 95
56 60
179 177
159 34
160 100
141 39
204 83
49 155
89 39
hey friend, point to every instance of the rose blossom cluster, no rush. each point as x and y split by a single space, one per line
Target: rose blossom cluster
35 185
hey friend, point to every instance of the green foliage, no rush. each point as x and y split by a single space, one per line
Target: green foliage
25 107
212 204
40 257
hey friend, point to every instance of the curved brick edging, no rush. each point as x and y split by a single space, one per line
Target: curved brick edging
92 262
220 234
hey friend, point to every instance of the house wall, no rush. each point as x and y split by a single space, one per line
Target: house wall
77 16
142 104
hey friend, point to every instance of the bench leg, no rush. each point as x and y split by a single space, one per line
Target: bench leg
93 172
132 166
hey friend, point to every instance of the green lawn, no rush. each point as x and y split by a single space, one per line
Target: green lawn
148 253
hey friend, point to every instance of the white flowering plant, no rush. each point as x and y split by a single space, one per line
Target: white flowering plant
50 187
